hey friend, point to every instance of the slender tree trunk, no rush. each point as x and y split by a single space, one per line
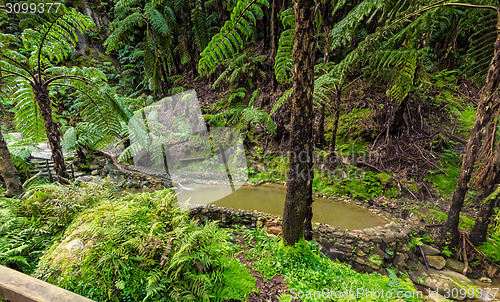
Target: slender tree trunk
483 117
483 220
52 129
320 141
300 172
332 158
8 170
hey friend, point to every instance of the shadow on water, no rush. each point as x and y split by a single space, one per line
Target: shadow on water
270 198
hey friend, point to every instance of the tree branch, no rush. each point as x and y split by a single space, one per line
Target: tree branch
41 46
13 73
472 5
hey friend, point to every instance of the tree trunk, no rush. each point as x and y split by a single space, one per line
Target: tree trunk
300 172
332 158
320 135
8 170
483 117
483 220
52 129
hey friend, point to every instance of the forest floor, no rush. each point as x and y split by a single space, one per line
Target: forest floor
267 290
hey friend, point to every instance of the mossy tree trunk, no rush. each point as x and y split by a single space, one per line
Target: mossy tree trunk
483 117
52 129
300 173
8 170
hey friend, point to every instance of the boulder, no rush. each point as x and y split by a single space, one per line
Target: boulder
455 265
436 261
430 250
441 282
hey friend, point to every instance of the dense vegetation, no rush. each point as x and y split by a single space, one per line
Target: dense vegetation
394 103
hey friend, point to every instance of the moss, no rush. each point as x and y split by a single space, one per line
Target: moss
465 121
383 177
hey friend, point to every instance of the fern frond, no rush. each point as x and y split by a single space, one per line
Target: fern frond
229 40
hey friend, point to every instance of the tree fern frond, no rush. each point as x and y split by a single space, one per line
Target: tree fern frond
228 41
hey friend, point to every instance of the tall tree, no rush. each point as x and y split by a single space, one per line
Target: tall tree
300 174
484 115
48 41
8 170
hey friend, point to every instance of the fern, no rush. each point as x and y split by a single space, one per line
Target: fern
283 63
229 41
482 41
28 118
200 25
404 81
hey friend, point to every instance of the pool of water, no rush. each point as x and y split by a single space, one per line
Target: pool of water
270 198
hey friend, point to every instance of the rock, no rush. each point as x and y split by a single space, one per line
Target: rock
360 253
442 282
400 260
430 250
95 172
389 237
275 230
435 297
94 167
334 253
436 261
455 265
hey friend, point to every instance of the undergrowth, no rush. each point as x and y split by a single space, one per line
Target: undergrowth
306 269
143 247
29 226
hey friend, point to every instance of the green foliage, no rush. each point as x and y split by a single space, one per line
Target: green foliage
241 69
143 247
283 62
376 259
414 242
234 112
403 82
358 184
229 41
20 151
305 268
354 124
491 248
484 33
28 227
451 162
466 121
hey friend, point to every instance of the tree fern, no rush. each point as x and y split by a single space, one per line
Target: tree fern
229 40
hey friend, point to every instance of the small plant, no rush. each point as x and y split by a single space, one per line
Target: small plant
376 259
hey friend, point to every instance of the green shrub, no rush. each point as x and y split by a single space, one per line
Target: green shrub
491 248
29 227
143 247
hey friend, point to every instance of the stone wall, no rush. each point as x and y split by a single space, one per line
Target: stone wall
368 250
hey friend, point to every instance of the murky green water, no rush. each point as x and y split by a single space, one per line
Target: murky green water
270 198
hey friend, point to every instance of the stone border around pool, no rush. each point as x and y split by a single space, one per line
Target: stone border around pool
368 250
